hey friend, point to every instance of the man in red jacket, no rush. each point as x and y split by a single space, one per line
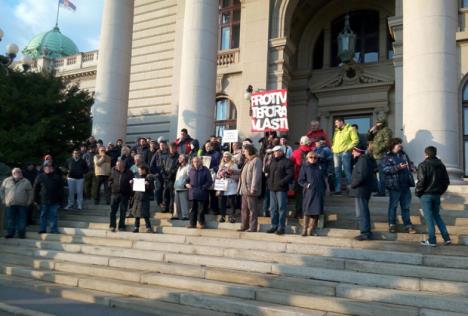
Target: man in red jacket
183 142
316 133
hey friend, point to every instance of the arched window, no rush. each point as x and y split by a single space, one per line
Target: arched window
465 125
225 116
365 24
229 24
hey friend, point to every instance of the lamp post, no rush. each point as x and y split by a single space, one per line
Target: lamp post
346 43
11 51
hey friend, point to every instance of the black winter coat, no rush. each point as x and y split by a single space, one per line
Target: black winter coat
170 166
280 174
48 188
432 177
119 182
364 180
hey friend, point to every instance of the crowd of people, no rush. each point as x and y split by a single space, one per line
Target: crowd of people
238 181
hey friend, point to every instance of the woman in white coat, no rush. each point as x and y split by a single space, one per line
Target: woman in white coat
229 172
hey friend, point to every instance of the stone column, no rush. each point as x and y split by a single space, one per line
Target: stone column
113 71
197 92
430 89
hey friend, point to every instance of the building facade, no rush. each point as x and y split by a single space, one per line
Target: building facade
169 64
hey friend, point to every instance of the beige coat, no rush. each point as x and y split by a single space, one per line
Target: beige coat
102 165
16 193
250 183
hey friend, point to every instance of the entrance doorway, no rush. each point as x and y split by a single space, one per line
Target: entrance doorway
364 122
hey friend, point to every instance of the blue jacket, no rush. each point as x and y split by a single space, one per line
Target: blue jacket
200 181
395 178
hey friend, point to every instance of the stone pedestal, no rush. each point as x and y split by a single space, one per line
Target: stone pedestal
430 89
197 92
113 71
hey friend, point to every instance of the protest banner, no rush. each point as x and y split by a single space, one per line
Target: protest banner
230 135
269 111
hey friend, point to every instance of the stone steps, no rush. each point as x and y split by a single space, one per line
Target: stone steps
279 262
254 301
221 288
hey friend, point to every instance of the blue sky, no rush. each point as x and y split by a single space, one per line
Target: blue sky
20 20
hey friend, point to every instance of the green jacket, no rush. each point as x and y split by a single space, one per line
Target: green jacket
344 139
380 142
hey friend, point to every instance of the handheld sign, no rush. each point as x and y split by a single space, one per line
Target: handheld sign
139 184
230 136
269 111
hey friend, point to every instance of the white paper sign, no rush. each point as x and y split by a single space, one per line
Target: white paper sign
221 185
139 184
206 161
230 136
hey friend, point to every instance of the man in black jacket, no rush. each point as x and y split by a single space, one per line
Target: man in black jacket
119 183
169 171
363 183
77 167
48 192
433 181
280 174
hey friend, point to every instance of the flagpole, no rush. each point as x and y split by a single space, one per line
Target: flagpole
58 9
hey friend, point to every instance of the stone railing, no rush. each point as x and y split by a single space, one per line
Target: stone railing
228 57
75 62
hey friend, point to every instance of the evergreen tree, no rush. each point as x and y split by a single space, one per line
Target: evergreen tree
40 114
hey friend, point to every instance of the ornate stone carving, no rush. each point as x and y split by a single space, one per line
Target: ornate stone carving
351 74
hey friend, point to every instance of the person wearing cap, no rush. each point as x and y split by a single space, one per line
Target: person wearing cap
345 139
16 193
49 194
379 137
279 176
325 161
363 183
77 168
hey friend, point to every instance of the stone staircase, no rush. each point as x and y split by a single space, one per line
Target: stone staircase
178 271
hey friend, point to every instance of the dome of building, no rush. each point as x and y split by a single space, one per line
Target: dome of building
51 44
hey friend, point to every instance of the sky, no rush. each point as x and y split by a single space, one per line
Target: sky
20 20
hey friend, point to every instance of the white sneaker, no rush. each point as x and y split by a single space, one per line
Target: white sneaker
447 242
427 243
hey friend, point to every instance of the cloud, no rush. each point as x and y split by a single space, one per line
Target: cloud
22 19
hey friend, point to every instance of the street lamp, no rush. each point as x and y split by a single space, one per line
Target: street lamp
346 43
11 51
27 62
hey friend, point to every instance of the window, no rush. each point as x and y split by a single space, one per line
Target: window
464 3
365 24
465 126
229 24
318 52
364 122
225 116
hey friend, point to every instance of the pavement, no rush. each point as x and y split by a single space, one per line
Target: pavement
44 303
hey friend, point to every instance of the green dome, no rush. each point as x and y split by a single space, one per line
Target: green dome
52 44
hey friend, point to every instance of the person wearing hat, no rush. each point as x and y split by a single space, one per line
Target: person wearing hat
49 194
379 137
363 183
280 174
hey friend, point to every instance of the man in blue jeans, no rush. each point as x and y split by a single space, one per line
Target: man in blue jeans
363 183
16 193
345 138
48 192
433 181
280 174
398 179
